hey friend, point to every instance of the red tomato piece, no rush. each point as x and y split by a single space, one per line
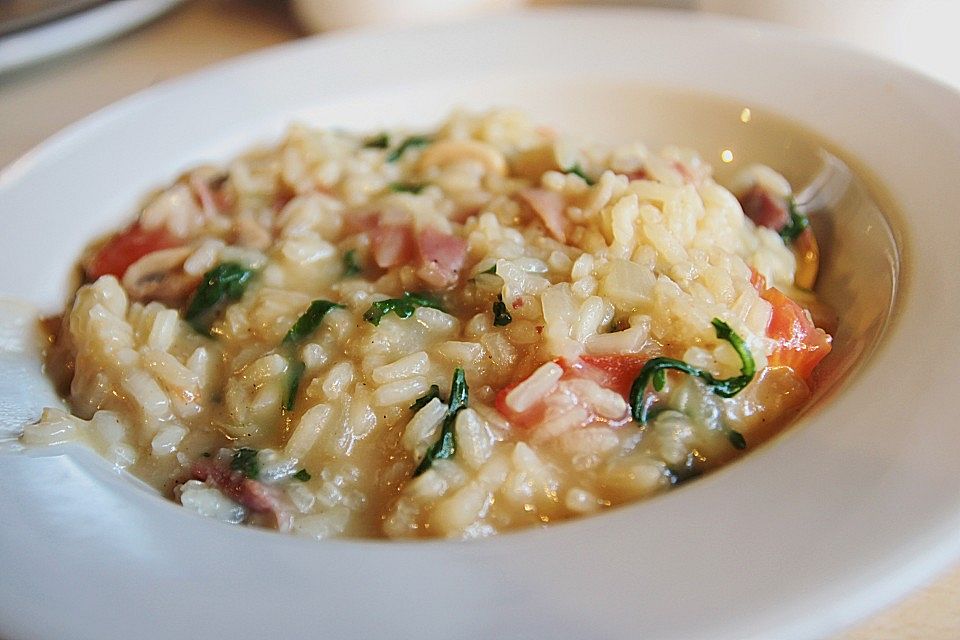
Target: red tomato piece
619 371
800 344
126 247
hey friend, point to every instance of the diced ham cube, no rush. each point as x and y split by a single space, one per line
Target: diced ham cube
764 208
254 495
440 257
549 207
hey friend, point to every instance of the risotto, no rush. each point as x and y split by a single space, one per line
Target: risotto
450 333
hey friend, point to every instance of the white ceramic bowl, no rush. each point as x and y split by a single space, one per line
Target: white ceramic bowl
853 506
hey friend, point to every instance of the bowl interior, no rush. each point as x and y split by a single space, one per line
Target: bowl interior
859 257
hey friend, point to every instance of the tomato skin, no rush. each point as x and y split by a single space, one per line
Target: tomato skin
619 371
500 401
126 247
800 344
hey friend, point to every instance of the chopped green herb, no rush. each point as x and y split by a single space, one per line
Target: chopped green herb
412 141
501 317
381 141
798 223
736 439
655 370
309 321
303 475
403 307
577 170
492 270
205 454
685 473
407 187
245 461
423 400
293 383
446 445
225 282
351 264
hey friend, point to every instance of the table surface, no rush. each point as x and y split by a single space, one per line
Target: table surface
37 101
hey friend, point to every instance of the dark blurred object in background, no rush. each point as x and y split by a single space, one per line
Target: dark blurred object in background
23 14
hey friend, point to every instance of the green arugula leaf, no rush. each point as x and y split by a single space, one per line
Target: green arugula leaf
577 170
351 264
732 386
303 475
309 321
293 383
736 439
501 317
407 187
409 143
655 371
403 306
425 399
225 282
381 141
798 223
446 445
245 461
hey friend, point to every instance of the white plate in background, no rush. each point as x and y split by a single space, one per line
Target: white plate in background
77 30
852 508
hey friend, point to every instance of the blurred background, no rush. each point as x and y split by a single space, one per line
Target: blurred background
918 33
61 60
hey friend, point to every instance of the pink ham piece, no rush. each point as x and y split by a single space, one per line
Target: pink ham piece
252 494
211 194
392 245
770 210
441 257
438 256
205 195
764 209
549 206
